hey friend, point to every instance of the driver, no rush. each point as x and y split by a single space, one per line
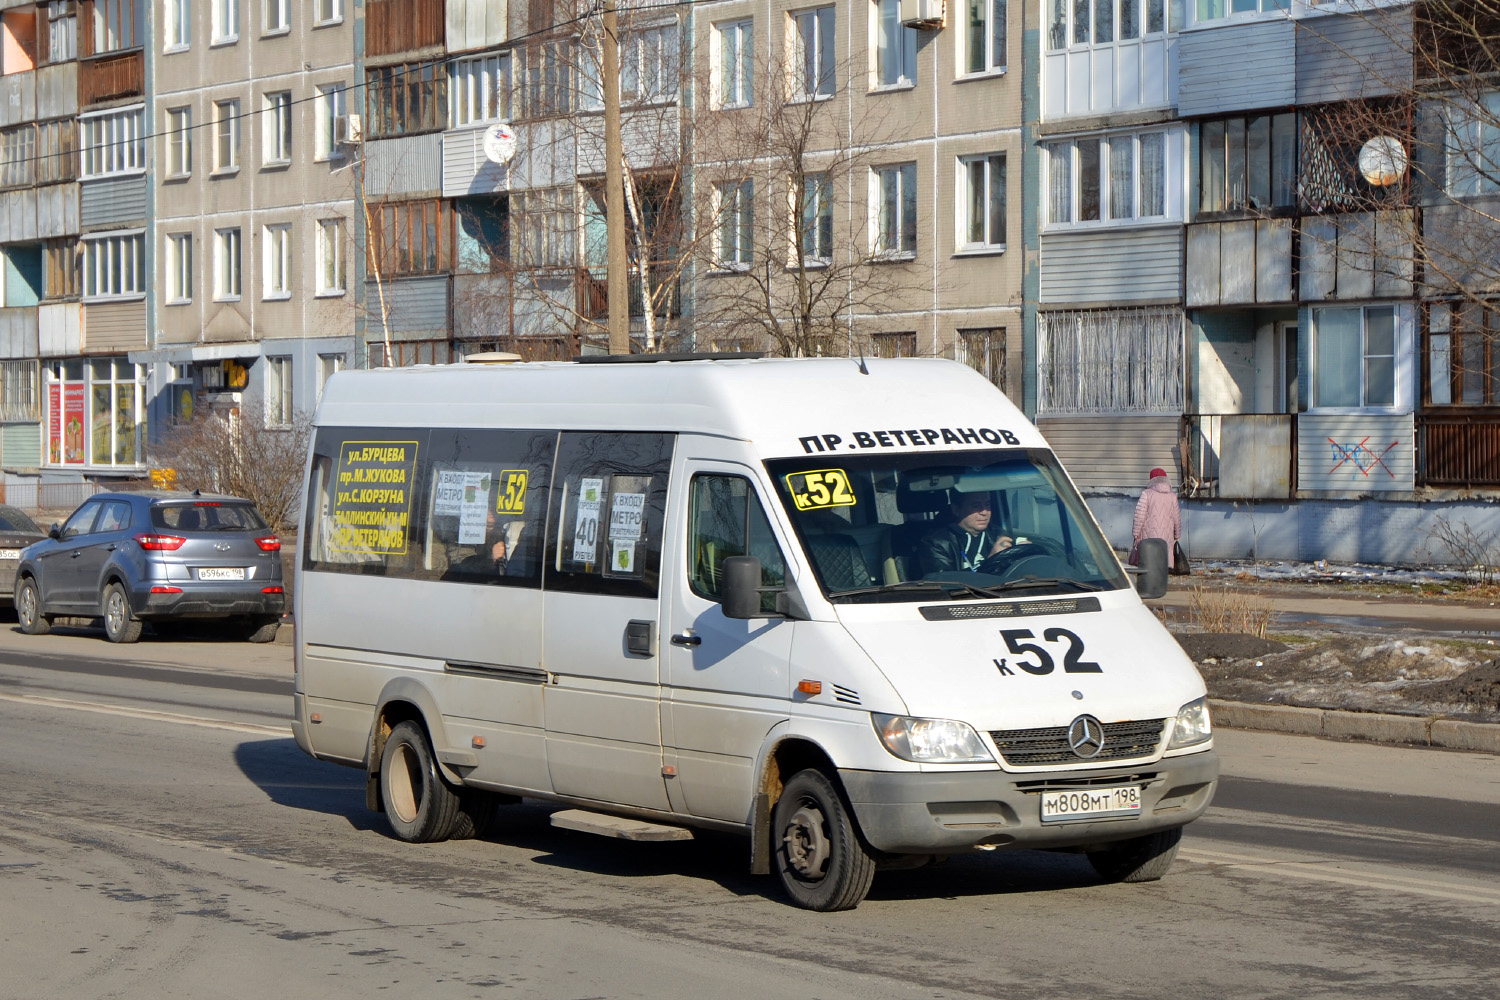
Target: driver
965 541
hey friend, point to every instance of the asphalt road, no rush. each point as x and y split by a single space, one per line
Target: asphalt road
161 835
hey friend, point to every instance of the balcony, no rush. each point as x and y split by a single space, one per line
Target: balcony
393 26
1460 452
105 78
593 293
1242 456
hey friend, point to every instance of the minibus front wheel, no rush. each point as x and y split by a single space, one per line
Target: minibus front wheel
418 802
820 859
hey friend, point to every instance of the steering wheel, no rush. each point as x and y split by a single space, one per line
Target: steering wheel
1007 561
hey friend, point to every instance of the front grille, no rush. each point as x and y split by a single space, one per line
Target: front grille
1039 747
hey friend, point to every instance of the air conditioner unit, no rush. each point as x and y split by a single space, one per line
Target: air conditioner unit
349 129
928 14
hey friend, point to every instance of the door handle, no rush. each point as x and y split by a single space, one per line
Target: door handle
110 548
77 553
687 640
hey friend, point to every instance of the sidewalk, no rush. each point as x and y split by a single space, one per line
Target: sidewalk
1391 614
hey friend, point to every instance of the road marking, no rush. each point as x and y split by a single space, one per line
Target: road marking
1354 874
146 713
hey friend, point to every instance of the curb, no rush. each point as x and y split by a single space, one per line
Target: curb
1376 727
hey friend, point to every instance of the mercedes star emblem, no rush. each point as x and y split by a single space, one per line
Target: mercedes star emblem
1086 736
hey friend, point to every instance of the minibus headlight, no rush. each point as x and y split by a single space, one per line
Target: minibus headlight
930 741
1191 725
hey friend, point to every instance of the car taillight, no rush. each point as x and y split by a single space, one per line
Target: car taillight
166 590
160 543
269 544
272 590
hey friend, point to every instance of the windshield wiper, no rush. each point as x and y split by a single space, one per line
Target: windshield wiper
889 588
1026 583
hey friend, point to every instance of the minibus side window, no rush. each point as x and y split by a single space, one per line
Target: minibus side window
484 506
607 509
362 501
726 519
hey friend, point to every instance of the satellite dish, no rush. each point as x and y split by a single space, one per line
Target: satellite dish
1382 160
499 143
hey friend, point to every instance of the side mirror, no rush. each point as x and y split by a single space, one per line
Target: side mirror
1151 558
741 587
55 531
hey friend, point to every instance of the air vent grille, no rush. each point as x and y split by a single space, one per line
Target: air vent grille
1010 609
848 696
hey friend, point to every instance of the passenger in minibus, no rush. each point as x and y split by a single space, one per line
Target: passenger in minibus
492 555
966 540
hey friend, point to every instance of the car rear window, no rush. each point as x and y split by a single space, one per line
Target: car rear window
16 522
207 516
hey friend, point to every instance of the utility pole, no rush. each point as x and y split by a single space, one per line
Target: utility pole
614 188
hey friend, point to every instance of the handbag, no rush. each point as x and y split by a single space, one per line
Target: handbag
1180 564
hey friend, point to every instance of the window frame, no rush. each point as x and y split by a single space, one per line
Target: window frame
178 261
743 30
965 203
179 142
122 151
993 63
817 220
226 137
276 128
276 262
105 265
468 90
1216 165
229 268
1361 363
335 12
1466 134
407 98
279 391
816 79
62 42
336 246
224 22
120 15
178 30
544 223
1104 178
399 234
735 223
905 177
328 107
283 10
884 13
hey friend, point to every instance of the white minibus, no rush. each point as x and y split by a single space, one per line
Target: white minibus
854 610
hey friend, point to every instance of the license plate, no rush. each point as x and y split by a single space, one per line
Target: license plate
222 573
10 553
1077 804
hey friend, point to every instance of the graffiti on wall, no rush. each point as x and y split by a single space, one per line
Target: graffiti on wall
1361 457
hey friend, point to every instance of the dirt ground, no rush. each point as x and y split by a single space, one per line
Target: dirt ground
1368 673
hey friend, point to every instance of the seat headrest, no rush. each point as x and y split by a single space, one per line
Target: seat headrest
909 501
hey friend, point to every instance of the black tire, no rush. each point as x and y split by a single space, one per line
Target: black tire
419 803
1140 859
262 629
820 859
120 623
29 609
476 813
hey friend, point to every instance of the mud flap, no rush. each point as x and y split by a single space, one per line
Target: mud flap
760 835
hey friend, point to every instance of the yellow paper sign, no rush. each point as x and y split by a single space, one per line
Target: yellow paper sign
823 488
511 497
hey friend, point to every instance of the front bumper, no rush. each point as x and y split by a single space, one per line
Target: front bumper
212 602
935 813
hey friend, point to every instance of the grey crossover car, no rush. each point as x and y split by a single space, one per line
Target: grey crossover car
131 558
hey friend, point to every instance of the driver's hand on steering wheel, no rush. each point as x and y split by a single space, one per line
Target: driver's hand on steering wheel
1001 544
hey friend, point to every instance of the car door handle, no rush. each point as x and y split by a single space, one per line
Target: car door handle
681 639
77 553
110 548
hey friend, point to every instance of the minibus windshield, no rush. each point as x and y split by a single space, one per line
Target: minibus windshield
914 527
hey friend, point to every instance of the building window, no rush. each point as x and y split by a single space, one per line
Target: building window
984 34
278 262
331 280
114 266
1355 354
227 264
95 412
1248 165
1463 358
735 64
226 21
480 89
60 260
19 400
276 129
412 237
546 79
982 210
113 143
1110 361
893 195
329 12
812 62
544 224
328 364
226 136
816 219
179 25
18 156
736 210
278 16
328 109
179 142
407 98
894 345
57 152
62 31
1104 22
1473 147
648 64
1117 178
278 392
984 351
179 267
895 47
1213 10
115 26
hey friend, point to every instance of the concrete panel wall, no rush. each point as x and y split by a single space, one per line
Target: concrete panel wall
1206 88
408 167
1113 453
1112 266
115 327
113 201
1358 454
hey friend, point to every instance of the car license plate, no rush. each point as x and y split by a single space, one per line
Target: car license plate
10 553
222 573
1074 804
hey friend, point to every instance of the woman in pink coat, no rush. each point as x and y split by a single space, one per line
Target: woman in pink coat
1157 516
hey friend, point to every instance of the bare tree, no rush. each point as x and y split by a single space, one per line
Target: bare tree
222 453
791 256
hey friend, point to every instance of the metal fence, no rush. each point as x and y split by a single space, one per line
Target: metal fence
34 495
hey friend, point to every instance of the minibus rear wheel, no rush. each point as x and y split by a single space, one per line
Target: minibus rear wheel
820 859
1139 859
421 806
